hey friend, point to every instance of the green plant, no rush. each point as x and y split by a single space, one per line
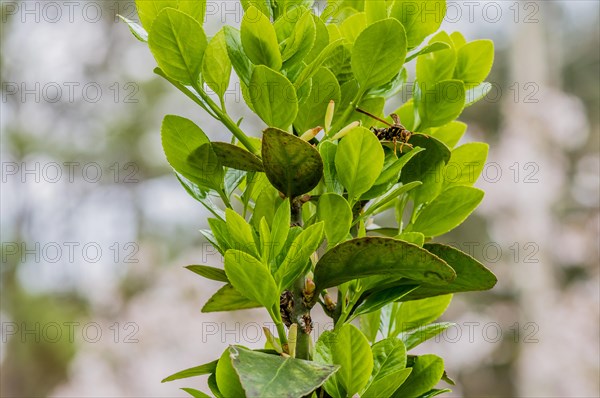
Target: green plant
297 224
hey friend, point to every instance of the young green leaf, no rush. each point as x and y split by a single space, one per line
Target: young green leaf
477 93
471 275
195 393
369 324
376 10
410 315
212 273
205 369
441 103
376 300
292 165
194 8
298 255
359 161
389 357
328 149
241 235
474 61
419 18
259 39
458 39
353 26
280 228
228 299
237 158
251 278
362 257
465 165
427 371
436 66
378 53
412 237
311 111
265 375
447 211
228 380
170 30
301 41
424 333
450 133
203 167
430 48
273 97
216 66
262 5
385 386
240 62
336 214
137 30
149 10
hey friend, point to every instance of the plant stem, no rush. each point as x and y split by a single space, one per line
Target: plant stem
281 332
348 112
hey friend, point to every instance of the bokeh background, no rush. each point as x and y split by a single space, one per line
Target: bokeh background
95 227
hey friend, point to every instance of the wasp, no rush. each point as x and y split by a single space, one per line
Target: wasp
395 133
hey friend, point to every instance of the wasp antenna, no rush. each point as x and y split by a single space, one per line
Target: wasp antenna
374 117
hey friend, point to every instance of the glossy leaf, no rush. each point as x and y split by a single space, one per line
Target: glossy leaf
325 89
389 357
205 369
240 62
137 30
386 386
265 375
466 164
447 211
203 167
427 370
376 10
441 103
378 299
292 165
238 158
241 236
149 10
336 214
328 149
430 48
195 393
216 66
450 133
280 228
369 324
419 18
471 274
474 61
359 161
169 30
477 93
378 53
251 278
212 273
301 41
413 314
228 380
194 8
273 97
349 349
259 39
352 27
228 299
437 66
368 256
298 255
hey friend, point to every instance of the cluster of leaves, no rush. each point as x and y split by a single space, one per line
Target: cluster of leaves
306 202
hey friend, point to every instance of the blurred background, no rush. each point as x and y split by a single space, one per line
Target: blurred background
95 227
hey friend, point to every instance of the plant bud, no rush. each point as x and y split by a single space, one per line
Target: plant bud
329 115
329 303
310 134
309 287
346 130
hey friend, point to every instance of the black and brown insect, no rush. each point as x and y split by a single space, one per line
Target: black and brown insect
395 133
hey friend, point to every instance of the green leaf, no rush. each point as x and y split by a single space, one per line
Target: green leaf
205 369
437 66
292 165
137 30
216 66
376 10
195 393
312 110
386 386
228 381
441 103
368 256
265 375
391 173
228 299
280 228
458 39
427 371
201 195
466 163
212 384
471 274
391 88
149 10
477 93
212 273
262 5
273 97
178 42
420 19
376 300
351 28
430 48
220 233
237 158
474 61
450 133
251 278
447 211
194 8
350 349
378 53
259 39
312 68
203 167
321 38
434 393
381 202
389 357
369 324
328 149
240 62
301 41
424 333
336 214
373 105
359 161
241 236
298 255
413 314
412 237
